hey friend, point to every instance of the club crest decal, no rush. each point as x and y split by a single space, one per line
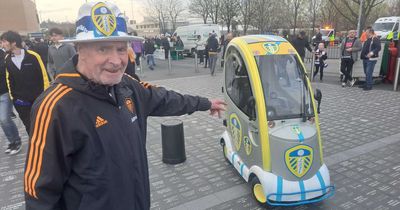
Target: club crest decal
299 159
236 130
103 19
271 47
247 145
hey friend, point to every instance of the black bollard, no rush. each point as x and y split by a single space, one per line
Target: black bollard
173 142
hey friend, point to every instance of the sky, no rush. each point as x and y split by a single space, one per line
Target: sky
67 10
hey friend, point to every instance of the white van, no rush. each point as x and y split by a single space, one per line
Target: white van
384 25
189 35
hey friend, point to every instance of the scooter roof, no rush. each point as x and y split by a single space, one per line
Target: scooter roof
268 45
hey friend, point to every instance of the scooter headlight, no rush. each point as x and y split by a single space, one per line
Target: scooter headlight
271 124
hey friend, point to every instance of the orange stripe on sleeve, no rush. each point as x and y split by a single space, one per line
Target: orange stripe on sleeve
34 136
47 123
68 75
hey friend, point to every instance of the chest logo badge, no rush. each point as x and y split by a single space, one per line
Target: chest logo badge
100 121
130 105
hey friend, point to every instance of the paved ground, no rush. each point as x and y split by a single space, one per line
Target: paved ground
361 133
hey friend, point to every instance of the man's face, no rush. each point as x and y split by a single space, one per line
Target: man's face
370 34
103 62
7 46
352 34
321 46
56 37
229 36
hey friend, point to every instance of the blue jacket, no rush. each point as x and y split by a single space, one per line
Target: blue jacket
88 150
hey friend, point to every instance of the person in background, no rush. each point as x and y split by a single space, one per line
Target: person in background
41 48
320 57
59 53
300 44
213 46
9 127
364 35
369 55
149 53
137 46
200 47
349 49
166 46
206 54
26 75
317 39
228 39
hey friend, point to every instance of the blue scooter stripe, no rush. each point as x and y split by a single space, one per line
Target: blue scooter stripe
302 190
233 157
241 169
301 137
321 181
279 189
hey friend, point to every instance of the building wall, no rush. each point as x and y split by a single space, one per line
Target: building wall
18 15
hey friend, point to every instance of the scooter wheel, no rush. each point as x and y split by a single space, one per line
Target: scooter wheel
258 191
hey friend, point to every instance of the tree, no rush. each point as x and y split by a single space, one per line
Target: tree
229 10
294 8
201 8
174 9
157 11
214 9
349 9
262 19
315 6
246 12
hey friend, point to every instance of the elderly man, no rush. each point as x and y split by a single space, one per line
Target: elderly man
88 143
349 54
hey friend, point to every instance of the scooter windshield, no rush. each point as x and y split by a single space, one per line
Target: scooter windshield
286 93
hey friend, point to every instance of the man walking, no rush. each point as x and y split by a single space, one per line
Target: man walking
349 49
26 75
212 46
88 146
7 124
149 53
300 44
369 55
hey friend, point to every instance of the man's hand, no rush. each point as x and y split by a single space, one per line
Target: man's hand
217 107
349 49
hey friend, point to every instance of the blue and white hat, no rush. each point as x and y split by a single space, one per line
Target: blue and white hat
100 21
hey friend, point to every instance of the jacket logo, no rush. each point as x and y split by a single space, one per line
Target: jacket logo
100 121
130 105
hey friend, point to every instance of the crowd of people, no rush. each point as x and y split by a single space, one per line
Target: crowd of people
352 48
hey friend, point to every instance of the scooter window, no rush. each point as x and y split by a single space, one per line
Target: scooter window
285 87
238 83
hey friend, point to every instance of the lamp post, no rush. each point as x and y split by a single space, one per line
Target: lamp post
359 18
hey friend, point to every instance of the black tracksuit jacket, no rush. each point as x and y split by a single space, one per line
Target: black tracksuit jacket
30 81
88 151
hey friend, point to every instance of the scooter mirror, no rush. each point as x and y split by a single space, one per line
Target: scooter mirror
318 97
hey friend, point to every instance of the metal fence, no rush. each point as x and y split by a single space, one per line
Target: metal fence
333 52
